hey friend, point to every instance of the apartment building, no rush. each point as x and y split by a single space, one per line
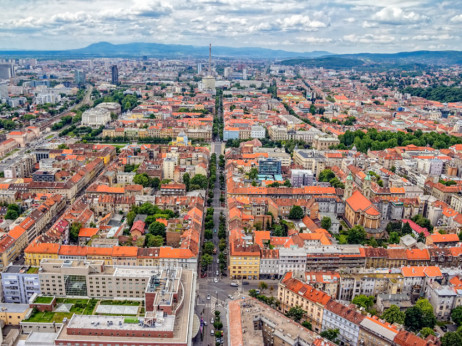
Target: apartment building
20 283
346 319
293 292
244 261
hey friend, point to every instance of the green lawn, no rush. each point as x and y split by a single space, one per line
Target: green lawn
119 302
79 307
131 320
32 270
43 300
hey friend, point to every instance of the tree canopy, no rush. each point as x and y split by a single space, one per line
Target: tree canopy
393 315
375 140
296 213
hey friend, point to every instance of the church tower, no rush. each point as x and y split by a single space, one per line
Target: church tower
348 186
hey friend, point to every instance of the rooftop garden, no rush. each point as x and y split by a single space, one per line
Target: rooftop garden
43 300
79 306
32 270
132 320
120 302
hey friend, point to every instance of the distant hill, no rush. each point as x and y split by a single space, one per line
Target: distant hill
332 62
106 49
440 58
370 61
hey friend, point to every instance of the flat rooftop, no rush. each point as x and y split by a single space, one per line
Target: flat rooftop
181 323
243 313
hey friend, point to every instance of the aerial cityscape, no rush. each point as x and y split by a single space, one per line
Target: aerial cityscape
231 173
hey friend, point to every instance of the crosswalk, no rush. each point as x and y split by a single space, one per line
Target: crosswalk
212 305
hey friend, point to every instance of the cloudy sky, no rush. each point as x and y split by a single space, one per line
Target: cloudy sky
339 26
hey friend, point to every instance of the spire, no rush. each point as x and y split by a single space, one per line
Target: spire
210 59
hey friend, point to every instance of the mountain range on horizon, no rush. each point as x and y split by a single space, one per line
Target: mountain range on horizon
139 49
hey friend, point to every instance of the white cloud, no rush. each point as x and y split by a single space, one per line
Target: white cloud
291 24
311 39
395 15
368 38
457 19
300 22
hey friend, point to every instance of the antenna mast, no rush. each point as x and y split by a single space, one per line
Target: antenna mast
210 59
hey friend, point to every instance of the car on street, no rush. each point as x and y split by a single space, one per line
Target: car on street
218 260
217 273
211 320
212 332
205 323
234 284
215 230
245 282
230 296
215 280
208 296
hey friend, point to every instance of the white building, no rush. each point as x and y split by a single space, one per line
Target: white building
96 117
343 318
291 260
257 131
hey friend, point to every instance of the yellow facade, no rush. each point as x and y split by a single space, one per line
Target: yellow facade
244 267
33 259
13 314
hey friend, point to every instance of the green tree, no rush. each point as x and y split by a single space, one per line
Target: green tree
14 207
307 325
287 183
330 334
296 213
394 238
326 175
253 293
208 247
186 180
130 218
157 228
199 181
155 183
142 179
11 215
356 235
426 331
74 231
296 313
456 315
208 234
363 301
451 339
253 174
406 229
393 315
419 316
206 260
326 223
262 285
153 240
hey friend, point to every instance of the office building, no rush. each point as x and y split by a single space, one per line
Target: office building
115 74
79 77
301 177
6 71
269 166
20 283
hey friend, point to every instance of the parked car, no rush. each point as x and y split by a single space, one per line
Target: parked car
208 296
245 282
234 284
212 332
215 280
211 320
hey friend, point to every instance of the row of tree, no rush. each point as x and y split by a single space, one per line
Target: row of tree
375 140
